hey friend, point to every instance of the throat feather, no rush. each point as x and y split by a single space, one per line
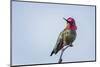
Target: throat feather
71 27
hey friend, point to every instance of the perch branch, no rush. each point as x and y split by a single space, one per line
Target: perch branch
60 59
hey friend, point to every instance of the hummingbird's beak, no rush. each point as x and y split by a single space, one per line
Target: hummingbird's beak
64 19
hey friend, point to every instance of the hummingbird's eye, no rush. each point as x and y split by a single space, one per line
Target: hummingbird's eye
69 20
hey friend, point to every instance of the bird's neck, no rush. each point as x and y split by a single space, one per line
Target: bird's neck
71 27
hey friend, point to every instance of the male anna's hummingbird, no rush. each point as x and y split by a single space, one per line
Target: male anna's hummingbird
66 37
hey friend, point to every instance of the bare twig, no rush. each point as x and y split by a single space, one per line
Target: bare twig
60 59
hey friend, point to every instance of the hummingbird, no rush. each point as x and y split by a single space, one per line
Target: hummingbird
65 38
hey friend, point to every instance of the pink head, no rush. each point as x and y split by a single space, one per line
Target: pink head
70 20
71 23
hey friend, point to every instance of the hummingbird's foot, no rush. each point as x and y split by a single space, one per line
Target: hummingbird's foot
60 61
71 45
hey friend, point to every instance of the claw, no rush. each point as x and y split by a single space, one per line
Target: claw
71 45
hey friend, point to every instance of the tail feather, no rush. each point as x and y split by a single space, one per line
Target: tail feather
52 53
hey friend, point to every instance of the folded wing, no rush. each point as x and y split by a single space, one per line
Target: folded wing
59 44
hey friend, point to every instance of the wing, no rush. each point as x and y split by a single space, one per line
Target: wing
59 44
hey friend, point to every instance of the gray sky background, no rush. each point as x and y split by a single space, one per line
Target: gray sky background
36 26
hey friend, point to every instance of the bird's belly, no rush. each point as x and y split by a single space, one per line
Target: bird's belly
69 37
